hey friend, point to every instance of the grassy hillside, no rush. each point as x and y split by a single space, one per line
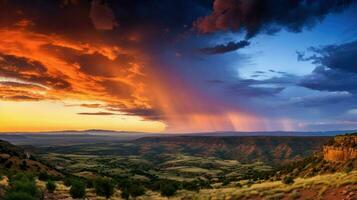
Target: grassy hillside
15 159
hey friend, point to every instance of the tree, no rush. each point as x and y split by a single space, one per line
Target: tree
51 186
226 182
43 176
288 180
67 181
104 187
168 189
78 189
23 165
125 193
136 190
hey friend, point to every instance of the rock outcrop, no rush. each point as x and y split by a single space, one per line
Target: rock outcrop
341 149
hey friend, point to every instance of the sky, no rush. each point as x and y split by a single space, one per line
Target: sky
178 66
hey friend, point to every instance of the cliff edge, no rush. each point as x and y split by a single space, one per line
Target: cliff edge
341 149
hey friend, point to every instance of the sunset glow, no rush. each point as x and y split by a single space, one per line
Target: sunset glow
88 65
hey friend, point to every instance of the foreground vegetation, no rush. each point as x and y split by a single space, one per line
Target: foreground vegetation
22 186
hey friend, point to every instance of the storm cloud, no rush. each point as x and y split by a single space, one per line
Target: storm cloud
267 16
336 68
224 48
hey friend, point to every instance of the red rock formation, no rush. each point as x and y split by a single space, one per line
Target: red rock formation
339 154
344 148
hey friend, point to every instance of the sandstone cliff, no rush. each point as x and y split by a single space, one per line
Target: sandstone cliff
341 149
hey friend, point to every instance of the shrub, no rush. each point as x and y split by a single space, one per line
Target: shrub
90 183
136 190
22 187
168 189
67 182
288 180
125 194
348 167
132 188
192 186
8 164
25 186
51 186
43 176
78 189
104 187
19 196
226 182
23 165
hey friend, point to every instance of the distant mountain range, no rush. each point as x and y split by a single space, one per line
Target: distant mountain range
100 132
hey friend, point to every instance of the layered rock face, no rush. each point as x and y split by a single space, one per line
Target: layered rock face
342 149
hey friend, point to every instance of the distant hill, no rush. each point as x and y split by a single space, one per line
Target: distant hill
269 149
72 137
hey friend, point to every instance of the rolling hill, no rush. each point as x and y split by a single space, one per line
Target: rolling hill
16 159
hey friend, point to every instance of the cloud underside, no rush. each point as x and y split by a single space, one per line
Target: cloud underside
224 48
336 68
52 68
267 16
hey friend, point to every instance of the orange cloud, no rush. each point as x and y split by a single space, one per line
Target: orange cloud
64 69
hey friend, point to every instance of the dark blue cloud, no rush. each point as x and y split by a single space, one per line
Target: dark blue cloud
268 16
342 57
326 79
224 48
246 89
336 68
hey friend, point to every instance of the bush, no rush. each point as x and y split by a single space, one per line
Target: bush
168 189
8 164
348 167
136 190
22 187
226 182
23 165
26 186
90 183
78 189
132 188
51 186
19 196
67 181
43 176
192 186
288 180
104 187
125 194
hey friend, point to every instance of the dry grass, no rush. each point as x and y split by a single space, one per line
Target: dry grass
276 189
269 190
